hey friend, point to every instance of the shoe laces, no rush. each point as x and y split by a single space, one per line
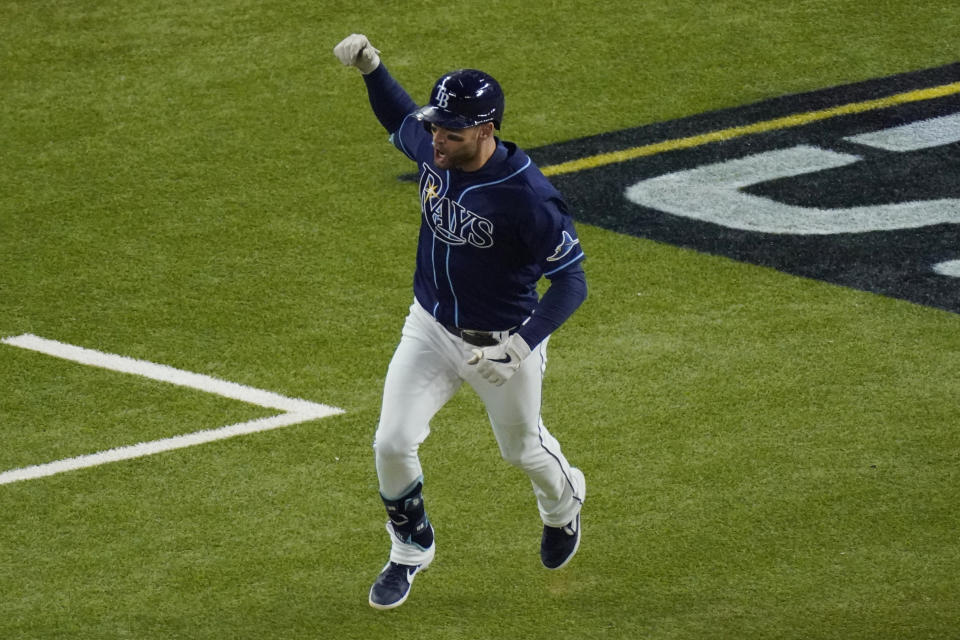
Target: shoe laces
568 529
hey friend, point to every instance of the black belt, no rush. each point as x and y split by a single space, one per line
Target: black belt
476 338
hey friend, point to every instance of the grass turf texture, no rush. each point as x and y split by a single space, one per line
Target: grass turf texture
203 186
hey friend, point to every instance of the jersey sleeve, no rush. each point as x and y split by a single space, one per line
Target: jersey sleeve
390 102
553 239
394 107
412 139
567 291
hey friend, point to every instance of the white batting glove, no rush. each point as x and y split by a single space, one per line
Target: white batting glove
356 51
498 363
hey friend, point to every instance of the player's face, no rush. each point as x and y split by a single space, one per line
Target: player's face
458 148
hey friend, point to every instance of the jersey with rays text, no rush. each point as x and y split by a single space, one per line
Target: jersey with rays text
486 236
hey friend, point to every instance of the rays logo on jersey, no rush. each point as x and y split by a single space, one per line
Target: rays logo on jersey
564 248
451 222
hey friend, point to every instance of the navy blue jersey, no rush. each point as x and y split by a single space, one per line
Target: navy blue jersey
486 236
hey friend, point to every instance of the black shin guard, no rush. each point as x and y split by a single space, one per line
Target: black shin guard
409 518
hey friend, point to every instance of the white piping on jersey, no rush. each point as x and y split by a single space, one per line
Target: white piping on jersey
564 265
433 241
487 184
456 301
396 138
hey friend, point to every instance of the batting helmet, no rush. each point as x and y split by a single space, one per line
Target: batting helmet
463 98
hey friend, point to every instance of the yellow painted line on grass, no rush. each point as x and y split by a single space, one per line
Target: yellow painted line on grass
795 120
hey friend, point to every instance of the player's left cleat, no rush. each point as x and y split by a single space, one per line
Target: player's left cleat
393 585
559 544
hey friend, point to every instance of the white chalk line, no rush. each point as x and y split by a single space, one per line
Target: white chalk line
295 410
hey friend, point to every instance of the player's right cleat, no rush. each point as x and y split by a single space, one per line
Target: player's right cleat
393 585
559 544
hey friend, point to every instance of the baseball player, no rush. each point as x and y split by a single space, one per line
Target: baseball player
491 227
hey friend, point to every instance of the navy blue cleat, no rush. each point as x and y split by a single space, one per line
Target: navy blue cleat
559 544
393 585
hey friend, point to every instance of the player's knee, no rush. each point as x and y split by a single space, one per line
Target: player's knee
390 449
520 458
512 459
394 444
522 451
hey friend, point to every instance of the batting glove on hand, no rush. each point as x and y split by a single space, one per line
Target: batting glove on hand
356 51
498 363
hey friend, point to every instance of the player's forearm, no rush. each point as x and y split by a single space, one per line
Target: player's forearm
390 102
566 293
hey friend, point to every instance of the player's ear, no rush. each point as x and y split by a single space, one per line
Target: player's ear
486 130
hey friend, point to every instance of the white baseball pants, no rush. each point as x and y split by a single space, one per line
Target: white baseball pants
427 368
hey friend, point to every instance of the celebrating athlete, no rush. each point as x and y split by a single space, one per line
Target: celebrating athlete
492 226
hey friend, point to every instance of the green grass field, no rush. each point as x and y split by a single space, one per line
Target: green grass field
202 185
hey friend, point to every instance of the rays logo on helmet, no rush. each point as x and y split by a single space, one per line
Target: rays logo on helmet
443 98
463 98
